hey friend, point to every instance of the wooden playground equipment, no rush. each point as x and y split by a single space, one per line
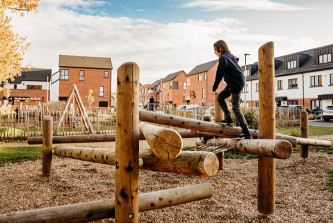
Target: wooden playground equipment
166 155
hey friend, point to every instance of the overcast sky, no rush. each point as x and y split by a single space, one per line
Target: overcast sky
165 36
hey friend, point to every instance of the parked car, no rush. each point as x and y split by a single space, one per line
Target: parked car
328 113
187 107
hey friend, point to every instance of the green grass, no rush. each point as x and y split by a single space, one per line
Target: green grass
19 154
312 131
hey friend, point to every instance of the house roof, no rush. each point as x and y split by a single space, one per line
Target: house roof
171 76
85 62
202 67
35 74
306 62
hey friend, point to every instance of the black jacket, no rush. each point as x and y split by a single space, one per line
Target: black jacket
229 69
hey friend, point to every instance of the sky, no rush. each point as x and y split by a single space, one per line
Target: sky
166 36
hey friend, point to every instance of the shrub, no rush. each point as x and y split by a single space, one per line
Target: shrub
251 116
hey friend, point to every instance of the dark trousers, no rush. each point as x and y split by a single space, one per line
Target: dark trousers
235 100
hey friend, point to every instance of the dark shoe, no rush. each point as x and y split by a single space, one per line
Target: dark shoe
244 136
227 122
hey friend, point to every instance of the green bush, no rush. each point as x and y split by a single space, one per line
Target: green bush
251 116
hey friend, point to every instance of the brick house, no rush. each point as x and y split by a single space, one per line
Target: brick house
86 73
30 88
302 78
199 84
146 91
173 89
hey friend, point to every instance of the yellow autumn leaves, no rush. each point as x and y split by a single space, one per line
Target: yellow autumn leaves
12 46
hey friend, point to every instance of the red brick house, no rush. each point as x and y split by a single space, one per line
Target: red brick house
30 88
146 91
86 73
173 89
199 84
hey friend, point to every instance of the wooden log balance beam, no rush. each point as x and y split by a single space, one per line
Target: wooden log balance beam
280 149
165 143
108 137
97 210
203 164
219 130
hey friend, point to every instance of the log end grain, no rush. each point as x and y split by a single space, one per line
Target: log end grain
209 166
283 149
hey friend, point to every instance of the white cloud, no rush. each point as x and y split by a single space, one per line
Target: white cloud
215 5
158 49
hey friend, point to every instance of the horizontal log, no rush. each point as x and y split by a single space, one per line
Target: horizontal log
97 210
107 137
217 129
165 143
280 149
204 164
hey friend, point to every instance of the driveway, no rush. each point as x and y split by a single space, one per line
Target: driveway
319 122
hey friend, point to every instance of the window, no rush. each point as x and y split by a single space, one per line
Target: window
291 64
103 104
316 81
331 79
257 104
246 72
63 74
81 75
106 74
150 90
184 86
245 89
203 92
163 85
257 87
292 83
205 76
191 94
34 87
184 97
314 103
200 78
63 98
325 58
15 86
292 102
101 91
280 85
188 82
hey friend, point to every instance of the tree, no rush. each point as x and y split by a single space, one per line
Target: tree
90 98
12 46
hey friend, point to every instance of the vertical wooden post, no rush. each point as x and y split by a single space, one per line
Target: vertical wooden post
127 144
218 117
266 166
47 145
218 111
304 134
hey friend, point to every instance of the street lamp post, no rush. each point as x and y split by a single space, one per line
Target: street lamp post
245 72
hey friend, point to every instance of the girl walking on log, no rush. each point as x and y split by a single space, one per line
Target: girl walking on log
229 69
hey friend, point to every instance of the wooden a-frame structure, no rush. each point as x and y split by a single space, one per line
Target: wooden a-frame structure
77 99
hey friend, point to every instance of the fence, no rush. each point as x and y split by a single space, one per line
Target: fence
21 125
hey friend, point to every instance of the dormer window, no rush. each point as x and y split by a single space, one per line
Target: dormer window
291 64
246 72
325 58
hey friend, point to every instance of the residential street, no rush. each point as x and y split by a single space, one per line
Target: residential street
319 122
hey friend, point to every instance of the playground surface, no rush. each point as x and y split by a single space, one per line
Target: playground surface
300 194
